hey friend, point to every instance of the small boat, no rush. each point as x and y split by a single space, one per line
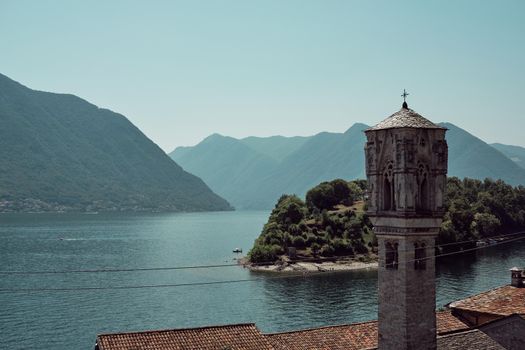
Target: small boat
237 250
481 244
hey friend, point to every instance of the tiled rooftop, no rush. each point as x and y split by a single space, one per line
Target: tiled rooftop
467 340
504 301
231 337
248 337
447 323
405 118
353 336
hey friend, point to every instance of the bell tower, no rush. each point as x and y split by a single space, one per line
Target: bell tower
406 166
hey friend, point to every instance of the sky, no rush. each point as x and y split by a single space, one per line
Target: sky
182 70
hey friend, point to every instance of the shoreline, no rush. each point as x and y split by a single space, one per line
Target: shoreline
306 267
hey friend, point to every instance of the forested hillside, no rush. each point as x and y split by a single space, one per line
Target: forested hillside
59 152
331 221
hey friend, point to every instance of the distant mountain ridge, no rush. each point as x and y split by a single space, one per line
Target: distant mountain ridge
515 153
250 176
59 152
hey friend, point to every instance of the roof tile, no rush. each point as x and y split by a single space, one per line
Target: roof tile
231 337
506 300
405 118
352 337
468 340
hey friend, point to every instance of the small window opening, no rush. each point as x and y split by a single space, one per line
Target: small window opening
420 261
391 256
387 198
423 202
388 188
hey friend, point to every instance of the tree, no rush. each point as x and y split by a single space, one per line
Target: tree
289 210
326 195
485 224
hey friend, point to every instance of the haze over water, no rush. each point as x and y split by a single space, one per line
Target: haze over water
72 319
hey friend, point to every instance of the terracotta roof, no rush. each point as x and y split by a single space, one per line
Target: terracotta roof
506 300
353 336
231 337
448 323
467 340
405 118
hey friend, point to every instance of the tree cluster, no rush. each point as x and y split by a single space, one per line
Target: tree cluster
325 225
480 209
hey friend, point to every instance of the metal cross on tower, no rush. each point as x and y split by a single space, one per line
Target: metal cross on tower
404 95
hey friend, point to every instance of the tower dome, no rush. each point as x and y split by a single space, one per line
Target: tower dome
405 118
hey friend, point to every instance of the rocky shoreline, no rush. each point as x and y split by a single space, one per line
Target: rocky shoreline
307 266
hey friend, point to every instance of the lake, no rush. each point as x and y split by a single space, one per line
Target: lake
72 319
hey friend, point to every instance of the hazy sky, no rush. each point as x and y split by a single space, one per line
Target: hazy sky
181 70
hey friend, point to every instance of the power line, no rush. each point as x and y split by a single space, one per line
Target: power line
19 290
113 270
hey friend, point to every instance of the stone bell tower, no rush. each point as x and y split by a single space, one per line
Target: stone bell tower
406 167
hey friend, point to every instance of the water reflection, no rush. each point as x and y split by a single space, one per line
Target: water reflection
323 299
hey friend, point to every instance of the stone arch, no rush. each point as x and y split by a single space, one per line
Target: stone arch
388 200
423 187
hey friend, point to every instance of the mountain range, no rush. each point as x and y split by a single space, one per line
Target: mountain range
60 152
515 153
253 172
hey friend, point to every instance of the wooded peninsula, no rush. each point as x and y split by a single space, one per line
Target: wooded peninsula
331 223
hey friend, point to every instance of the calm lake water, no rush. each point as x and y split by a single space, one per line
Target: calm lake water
72 319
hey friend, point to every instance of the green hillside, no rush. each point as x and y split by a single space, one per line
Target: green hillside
514 153
331 222
59 152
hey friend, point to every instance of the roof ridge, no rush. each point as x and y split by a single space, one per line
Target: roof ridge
180 329
322 327
471 330
513 315
480 293
345 325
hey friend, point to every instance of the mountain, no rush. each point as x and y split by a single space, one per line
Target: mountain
515 153
471 157
276 147
229 167
59 152
252 173
252 176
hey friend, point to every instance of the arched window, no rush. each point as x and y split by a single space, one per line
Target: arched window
420 261
391 256
387 194
388 188
423 202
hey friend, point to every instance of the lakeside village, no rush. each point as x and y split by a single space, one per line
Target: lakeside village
410 210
